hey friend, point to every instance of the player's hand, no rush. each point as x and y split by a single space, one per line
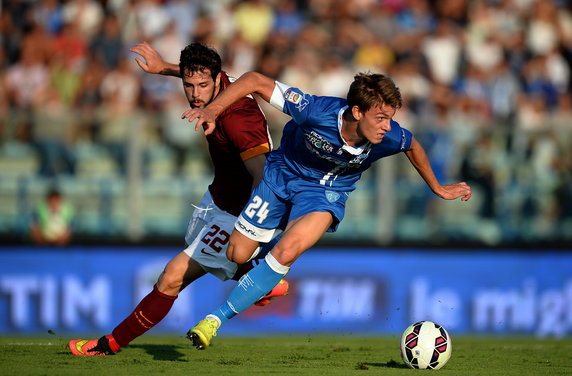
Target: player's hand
153 62
200 117
454 191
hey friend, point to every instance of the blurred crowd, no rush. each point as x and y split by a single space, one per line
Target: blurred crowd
487 83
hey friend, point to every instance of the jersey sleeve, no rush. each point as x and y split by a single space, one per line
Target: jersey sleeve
398 139
247 130
292 101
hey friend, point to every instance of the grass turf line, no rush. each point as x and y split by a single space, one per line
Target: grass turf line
296 355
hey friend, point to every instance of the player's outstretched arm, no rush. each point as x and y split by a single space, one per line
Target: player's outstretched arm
419 160
153 62
248 83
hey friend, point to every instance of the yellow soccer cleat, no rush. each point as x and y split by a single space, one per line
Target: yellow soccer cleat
202 333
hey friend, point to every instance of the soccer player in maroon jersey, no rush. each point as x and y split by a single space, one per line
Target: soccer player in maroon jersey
238 150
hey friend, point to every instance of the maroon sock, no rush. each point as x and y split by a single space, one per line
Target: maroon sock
113 345
148 313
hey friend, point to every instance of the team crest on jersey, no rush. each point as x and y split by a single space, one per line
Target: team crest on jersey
293 97
296 98
332 196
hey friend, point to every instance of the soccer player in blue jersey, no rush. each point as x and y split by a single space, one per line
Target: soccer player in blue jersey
324 149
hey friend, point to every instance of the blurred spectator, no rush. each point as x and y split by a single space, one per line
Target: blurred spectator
557 70
381 22
241 56
39 42
184 14
64 79
254 20
288 19
86 14
373 55
413 84
9 39
158 90
25 79
216 26
542 30
301 68
472 87
503 89
537 83
50 14
477 169
334 78
71 46
443 50
120 93
413 24
88 97
151 17
23 82
107 45
456 11
181 139
52 220
54 134
416 20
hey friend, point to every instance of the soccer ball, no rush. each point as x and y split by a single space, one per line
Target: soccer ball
425 345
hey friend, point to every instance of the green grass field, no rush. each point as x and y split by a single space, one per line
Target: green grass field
310 355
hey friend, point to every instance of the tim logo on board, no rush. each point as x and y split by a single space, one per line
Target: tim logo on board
327 299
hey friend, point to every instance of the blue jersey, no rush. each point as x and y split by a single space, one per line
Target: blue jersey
312 147
314 169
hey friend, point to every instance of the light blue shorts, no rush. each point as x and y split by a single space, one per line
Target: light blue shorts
266 212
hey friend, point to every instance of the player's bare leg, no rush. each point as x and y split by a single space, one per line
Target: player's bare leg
300 235
178 273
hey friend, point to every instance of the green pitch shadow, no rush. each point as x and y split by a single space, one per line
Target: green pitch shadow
162 352
391 364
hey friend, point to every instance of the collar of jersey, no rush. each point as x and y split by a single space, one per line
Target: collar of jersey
353 150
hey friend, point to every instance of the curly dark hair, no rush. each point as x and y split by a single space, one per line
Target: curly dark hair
197 57
371 89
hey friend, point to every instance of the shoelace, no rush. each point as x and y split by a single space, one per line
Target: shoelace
214 326
102 347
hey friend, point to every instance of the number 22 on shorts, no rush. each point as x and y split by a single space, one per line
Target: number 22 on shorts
257 208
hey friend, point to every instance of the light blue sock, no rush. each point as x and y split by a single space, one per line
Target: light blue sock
251 287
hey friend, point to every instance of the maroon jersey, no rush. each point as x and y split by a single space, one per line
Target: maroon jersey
241 133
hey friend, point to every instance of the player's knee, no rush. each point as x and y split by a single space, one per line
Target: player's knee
237 257
170 280
286 251
238 254
230 252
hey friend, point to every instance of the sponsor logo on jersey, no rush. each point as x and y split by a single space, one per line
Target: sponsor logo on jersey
332 196
246 229
320 147
318 142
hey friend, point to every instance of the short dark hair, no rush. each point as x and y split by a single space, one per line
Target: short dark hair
53 192
373 89
197 57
